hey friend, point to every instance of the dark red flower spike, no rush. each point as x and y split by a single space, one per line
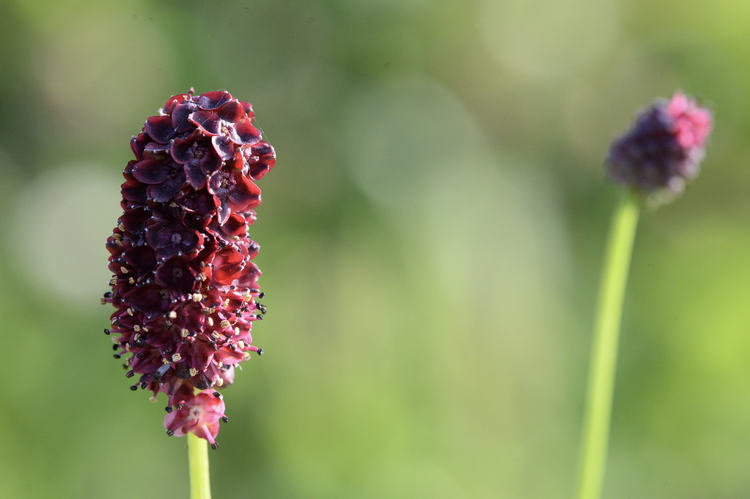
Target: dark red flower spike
184 285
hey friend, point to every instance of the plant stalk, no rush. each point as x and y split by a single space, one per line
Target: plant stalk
200 481
603 362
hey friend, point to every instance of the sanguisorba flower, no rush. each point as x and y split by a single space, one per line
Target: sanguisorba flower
184 287
653 160
664 148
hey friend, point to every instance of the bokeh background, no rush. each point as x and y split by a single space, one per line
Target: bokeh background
431 240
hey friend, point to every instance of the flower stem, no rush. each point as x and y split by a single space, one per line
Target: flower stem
200 482
603 361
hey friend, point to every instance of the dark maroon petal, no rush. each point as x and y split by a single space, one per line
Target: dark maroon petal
229 357
243 132
189 241
258 170
181 149
220 183
155 150
146 363
263 149
227 264
223 147
224 212
207 121
137 144
134 220
210 162
253 249
248 109
146 299
231 111
166 190
201 353
150 171
260 159
132 190
195 174
198 201
238 162
160 128
244 195
180 116
176 276
158 235
174 101
249 276
234 226
214 100
141 258
197 220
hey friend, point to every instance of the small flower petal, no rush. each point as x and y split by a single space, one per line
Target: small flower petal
207 121
151 171
214 100
159 128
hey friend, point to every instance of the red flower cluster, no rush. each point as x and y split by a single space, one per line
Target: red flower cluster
664 148
184 285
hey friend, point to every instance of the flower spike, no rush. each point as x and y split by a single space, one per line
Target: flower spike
184 286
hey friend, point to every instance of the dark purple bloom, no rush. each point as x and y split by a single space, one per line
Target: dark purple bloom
184 285
198 156
664 148
163 177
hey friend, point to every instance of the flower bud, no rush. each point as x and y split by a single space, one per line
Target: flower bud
664 148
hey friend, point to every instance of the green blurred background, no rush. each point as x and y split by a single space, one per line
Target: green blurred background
432 236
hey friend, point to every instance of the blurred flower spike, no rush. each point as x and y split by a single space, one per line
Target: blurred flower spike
184 287
664 148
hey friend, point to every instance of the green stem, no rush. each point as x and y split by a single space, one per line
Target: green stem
604 350
200 482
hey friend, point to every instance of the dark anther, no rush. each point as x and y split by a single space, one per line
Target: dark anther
180 406
107 331
161 371
214 445
140 342
261 295
108 294
170 433
129 374
259 317
115 346
225 419
140 355
260 351
134 387
217 395
168 409
143 385
117 356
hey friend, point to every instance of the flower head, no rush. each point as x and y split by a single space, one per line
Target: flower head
184 285
664 148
